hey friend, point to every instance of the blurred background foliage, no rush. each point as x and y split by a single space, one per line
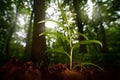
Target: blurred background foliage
100 20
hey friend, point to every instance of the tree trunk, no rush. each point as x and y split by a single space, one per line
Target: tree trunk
12 29
38 42
103 37
83 48
28 39
102 32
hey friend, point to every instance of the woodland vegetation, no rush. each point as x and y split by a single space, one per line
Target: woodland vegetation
21 29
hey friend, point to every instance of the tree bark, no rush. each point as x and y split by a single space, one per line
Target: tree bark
38 42
83 48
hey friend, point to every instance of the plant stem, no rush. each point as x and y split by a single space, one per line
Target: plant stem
70 62
71 58
71 49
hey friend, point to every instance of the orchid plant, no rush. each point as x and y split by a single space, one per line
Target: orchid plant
68 37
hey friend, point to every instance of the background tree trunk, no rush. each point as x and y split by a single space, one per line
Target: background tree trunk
12 29
38 42
79 25
103 37
102 32
28 39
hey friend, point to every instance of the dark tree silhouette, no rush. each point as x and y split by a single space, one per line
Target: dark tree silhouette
38 42
79 25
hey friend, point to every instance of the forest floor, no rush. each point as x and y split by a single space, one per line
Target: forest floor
16 70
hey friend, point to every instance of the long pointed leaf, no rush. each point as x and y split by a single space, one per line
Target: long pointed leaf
90 41
56 34
87 42
83 35
59 51
88 63
62 12
58 23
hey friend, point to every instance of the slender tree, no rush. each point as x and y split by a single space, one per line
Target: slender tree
12 29
27 47
102 31
6 15
79 25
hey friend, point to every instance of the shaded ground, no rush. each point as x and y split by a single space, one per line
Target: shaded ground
16 70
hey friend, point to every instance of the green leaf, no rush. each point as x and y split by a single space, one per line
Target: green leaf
62 12
90 41
87 42
88 63
83 35
58 23
56 34
59 51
